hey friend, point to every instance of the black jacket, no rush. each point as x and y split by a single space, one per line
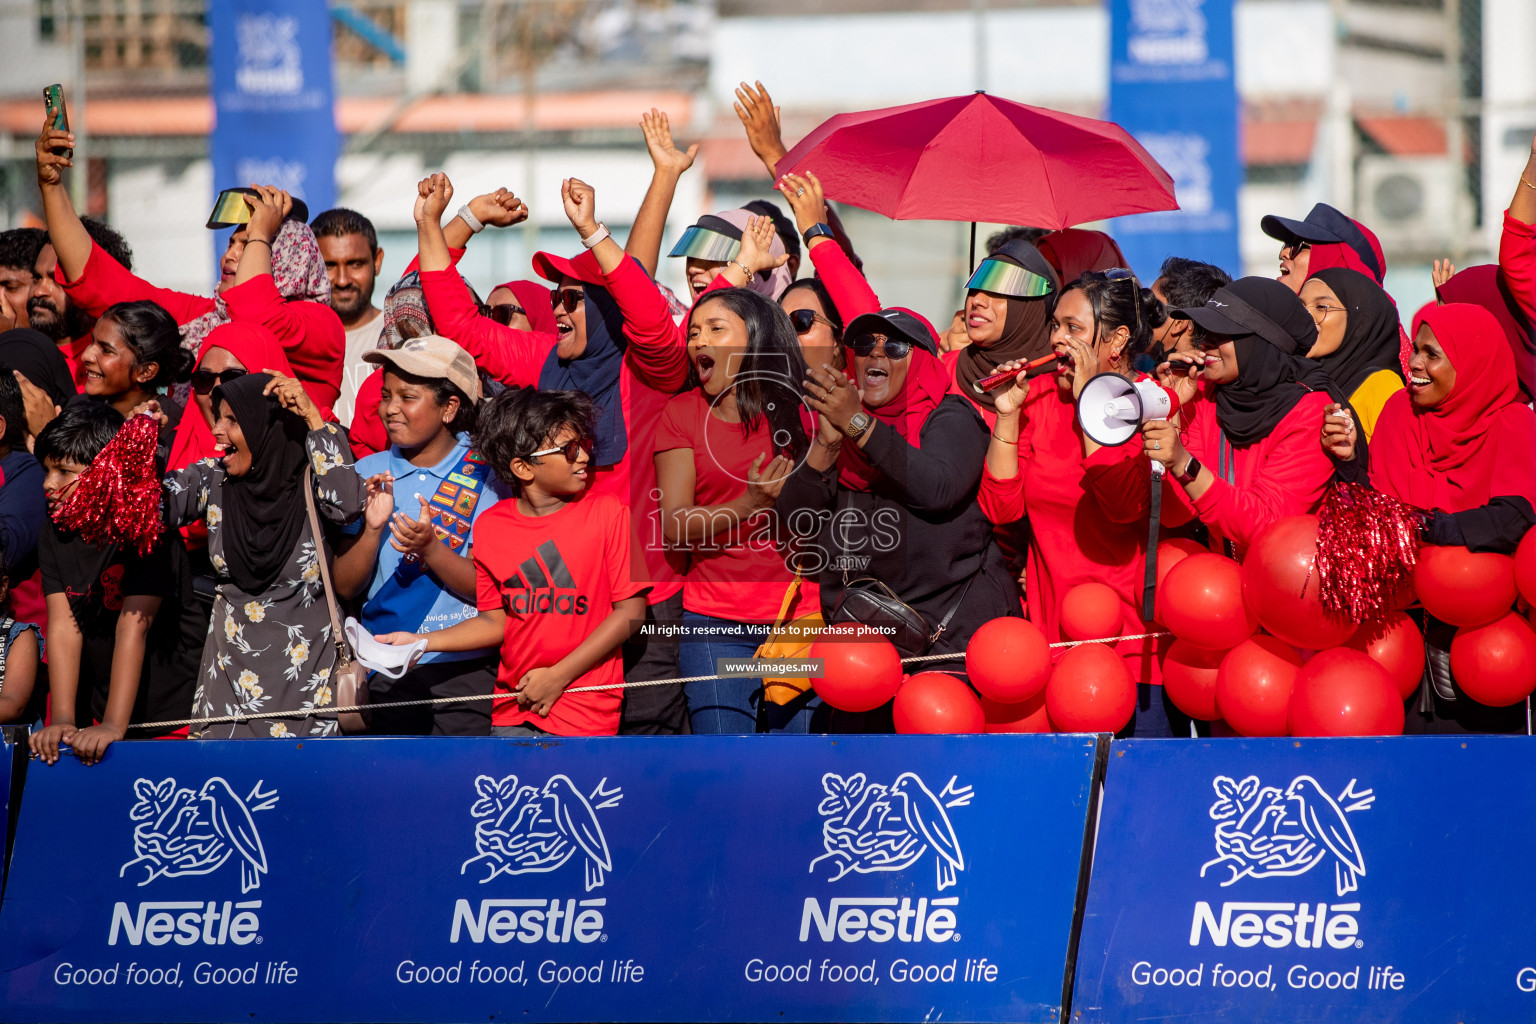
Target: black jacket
918 529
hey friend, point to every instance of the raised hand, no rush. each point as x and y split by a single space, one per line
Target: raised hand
1181 373
1085 364
432 196
580 200
806 199
50 165
290 394
756 246
269 207
1443 271
758 115
665 155
500 209
39 407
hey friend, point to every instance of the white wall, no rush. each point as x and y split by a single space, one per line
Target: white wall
161 210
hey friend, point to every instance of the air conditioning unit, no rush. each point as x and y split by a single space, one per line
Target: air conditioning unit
1416 205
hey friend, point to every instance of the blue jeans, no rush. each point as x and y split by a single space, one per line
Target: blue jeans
734 705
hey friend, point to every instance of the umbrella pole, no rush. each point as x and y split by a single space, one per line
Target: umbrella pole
973 249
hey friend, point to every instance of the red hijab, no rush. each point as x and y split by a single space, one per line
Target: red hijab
1485 286
925 387
1475 445
257 349
533 296
1077 250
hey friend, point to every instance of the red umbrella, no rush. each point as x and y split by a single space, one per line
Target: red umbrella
981 158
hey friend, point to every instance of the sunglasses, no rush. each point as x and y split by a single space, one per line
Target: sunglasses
569 449
805 319
1297 248
895 347
204 381
503 312
568 299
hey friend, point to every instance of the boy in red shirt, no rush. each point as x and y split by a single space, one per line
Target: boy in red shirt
552 573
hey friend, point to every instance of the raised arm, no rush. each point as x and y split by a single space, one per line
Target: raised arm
65 231
669 163
850 292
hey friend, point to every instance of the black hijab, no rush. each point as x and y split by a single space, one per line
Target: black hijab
264 511
39 360
1268 386
1370 334
1026 327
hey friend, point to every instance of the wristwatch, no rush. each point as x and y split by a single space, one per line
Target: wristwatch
1190 471
817 231
857 425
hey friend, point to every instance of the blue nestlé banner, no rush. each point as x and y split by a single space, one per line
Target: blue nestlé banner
1312 880
272 97
9 737
1171 85
718 879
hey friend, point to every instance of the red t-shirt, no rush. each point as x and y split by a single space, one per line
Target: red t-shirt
557 577
742 575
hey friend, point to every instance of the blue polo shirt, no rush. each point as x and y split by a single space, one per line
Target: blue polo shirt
402 595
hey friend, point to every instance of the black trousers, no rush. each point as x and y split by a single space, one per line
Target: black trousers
435 679
655 710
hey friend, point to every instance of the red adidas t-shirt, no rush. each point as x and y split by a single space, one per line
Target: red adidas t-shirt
557 577
742 577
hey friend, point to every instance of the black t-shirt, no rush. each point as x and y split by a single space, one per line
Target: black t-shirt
97 580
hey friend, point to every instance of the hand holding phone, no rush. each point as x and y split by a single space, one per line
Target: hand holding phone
58 117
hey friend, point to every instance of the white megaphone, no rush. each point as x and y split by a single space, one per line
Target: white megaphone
1112 409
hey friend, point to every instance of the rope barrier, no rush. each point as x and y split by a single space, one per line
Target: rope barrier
176 723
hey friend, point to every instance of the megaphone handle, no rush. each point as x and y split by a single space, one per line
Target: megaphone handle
1149 581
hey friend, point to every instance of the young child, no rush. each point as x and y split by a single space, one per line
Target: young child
21 650
552 573
411 555
124 633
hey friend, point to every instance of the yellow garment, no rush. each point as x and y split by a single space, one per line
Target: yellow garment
1371 395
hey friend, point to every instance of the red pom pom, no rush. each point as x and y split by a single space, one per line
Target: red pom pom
1367 545
117 499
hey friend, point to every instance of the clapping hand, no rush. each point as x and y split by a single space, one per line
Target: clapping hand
413 536
765 482
832 394
379 505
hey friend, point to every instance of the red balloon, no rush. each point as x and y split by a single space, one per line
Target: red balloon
1465 588
1203 602
1525 567
1008 660
1169 554
1342 692
1253 686
1395 644
1090 691
862 669
1496 664
1025 716
934 702
1281 586
1090 611
1189 679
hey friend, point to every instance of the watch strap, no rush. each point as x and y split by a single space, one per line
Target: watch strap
817 231
467 215
1189 472
856 432
597 236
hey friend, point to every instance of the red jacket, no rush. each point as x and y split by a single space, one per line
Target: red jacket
310 332
1284 474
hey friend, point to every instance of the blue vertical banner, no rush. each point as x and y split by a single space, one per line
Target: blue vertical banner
272 96
1171 85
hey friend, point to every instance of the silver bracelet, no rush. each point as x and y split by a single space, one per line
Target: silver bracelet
467 215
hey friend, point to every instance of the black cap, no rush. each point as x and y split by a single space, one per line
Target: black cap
1025 254
1324 225
901 322
1256 306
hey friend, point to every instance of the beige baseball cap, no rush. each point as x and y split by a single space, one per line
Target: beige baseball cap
432 355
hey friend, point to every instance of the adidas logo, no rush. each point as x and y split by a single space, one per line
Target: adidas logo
543 585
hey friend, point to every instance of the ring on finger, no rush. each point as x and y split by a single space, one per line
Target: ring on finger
1157 446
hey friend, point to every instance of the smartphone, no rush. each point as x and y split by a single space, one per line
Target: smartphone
53 101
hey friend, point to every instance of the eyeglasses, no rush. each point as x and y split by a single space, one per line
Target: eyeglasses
1125 274
895 347
805 319
568 299
503 312
569 449
204 381
1321 310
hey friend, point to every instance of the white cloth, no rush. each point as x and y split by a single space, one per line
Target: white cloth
354 371
385 659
